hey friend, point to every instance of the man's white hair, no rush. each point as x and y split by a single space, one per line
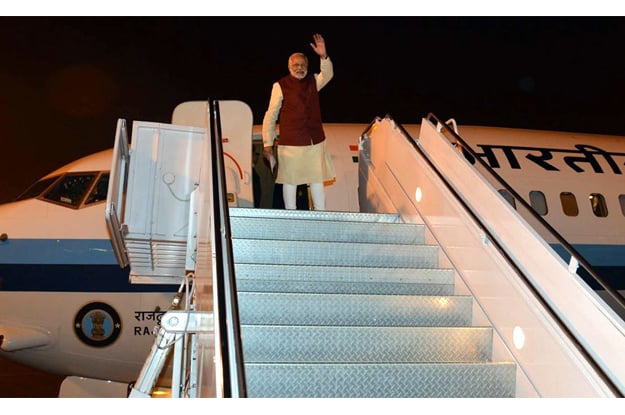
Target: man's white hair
298 55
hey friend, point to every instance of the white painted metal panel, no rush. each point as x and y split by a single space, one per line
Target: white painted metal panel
549 364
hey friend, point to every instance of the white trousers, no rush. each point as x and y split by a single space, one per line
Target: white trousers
289 194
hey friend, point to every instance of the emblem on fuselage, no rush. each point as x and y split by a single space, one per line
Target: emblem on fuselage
97 324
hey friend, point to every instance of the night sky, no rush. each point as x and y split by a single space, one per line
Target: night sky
64 81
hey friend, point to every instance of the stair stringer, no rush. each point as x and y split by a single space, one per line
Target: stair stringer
549 363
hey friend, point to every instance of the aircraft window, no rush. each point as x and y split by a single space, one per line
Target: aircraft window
100 190
621 201
597 202
509 198
71 189
538 202
569 204
37 188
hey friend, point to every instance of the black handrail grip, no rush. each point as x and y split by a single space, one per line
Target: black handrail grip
572 251
229 322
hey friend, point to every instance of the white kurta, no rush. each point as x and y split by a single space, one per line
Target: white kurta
299 164
304 164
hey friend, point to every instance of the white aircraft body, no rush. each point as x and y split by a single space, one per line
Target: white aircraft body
68 308
574 181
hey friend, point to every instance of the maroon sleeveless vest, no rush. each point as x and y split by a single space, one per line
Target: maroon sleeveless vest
300 114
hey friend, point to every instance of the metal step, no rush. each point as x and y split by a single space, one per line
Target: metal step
354 309
253 251
315 344
326 230
343 280
381 380
314 215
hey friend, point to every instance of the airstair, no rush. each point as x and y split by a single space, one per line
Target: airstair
337 304
436 288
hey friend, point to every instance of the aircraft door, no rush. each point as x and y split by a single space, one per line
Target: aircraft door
236 130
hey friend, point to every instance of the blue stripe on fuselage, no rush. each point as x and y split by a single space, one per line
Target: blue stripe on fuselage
608 261
74 265
72 278
90 265
598 255
57 251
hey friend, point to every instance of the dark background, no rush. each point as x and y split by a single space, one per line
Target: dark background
64 81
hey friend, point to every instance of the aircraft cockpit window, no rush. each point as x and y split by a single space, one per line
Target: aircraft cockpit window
597 202
569 204
621 201
71 189
99 190
37 188
538 202
509 198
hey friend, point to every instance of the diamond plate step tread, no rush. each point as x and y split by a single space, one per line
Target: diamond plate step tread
314 215
312 344
253 251
354 309
419 380
326 230
335 279
258 285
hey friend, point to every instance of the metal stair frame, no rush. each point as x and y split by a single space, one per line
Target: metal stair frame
549 364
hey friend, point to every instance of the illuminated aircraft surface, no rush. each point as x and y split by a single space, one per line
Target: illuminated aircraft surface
67 307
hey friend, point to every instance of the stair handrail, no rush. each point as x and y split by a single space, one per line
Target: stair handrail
229 323
552 231
414 142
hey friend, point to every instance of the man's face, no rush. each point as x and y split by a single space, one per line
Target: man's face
298 67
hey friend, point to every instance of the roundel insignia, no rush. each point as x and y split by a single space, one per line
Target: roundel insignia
97 324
